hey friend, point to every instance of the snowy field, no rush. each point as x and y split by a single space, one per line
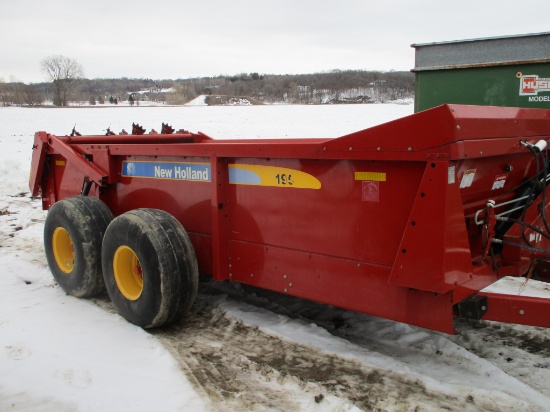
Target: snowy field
238 349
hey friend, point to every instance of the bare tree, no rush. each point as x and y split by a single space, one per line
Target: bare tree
17 89
32 95
64 73
3 93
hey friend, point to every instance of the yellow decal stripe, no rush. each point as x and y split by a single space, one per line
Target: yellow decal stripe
371 176
260 175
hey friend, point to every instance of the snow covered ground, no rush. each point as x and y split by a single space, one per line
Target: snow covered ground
239 348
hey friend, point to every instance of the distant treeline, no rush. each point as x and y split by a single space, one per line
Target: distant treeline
337 86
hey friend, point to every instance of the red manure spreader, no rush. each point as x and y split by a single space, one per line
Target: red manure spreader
410 220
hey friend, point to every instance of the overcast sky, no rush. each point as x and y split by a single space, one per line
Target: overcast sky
169 39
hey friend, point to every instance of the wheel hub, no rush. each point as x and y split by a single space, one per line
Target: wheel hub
128 273
63 250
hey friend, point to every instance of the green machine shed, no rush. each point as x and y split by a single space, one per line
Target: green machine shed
497 71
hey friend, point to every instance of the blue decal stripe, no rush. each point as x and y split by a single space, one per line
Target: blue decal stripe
241 176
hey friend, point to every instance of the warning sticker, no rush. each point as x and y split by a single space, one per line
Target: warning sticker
467 178
499 182
370 191
451 175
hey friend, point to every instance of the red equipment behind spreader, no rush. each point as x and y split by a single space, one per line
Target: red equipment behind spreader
408 220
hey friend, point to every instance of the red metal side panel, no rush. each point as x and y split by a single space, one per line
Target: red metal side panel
444 125
341 282
486 122
434 254
221 212
356 212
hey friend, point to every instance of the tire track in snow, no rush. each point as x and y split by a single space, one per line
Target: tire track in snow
238 366
521 351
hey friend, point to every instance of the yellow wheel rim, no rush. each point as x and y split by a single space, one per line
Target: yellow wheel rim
63 250
128 274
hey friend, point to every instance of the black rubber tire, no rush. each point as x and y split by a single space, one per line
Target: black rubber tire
82 220
166 265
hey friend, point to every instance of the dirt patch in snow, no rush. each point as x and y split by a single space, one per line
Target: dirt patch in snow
521 351
238 366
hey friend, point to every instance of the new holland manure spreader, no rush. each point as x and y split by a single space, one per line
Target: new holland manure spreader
409 220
